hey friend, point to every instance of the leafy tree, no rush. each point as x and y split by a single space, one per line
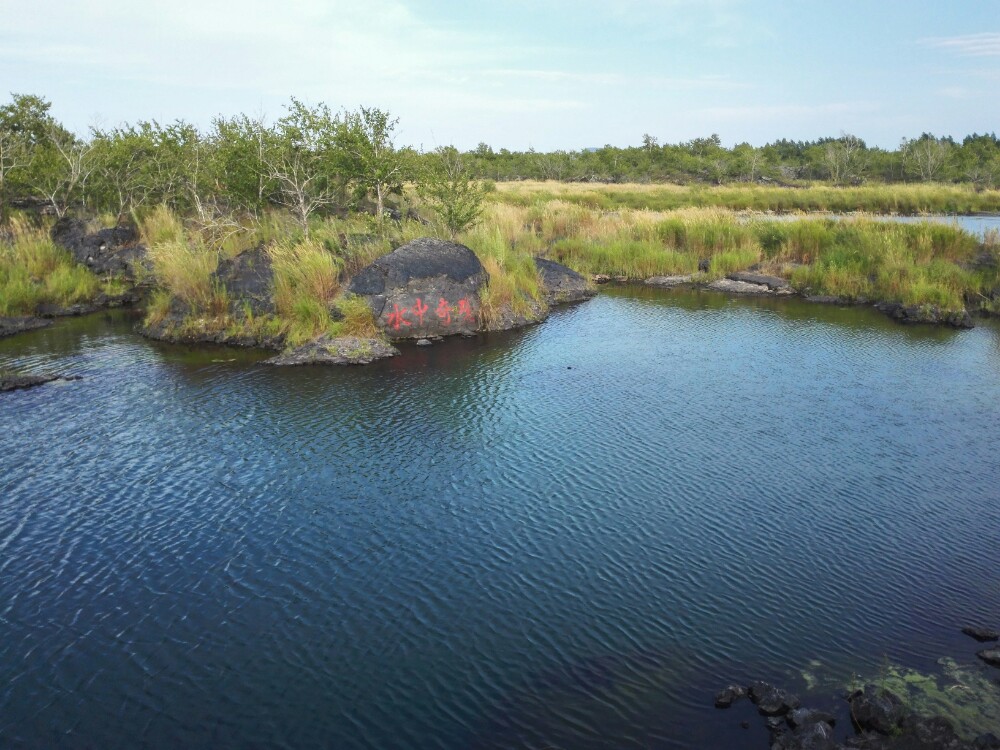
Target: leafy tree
449 188
302 159
25 125
373 164
927 155
240 168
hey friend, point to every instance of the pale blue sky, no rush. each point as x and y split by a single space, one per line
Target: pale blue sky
548 74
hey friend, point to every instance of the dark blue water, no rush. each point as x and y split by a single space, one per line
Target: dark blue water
566 537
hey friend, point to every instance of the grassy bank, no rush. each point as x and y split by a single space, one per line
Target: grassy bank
857 259
34 271
881 199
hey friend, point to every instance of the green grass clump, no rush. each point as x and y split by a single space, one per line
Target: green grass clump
185 270
35 271
729 261
631 258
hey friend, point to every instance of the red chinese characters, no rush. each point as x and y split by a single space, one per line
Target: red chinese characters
419 308
465 310
444 312
397 317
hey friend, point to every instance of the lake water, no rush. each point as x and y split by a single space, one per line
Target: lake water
565 537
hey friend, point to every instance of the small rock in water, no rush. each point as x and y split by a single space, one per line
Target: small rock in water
981 634
423 342
725 698
772 701
991 656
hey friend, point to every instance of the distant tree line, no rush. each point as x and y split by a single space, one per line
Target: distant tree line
314 160
844 160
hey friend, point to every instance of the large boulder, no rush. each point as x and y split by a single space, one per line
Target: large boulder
562 284
877 710
115 251
426 288
249 280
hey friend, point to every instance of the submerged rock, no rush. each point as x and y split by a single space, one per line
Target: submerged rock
11 326
981 634
925 314
14 382
427 287
344 350
991 656
725 698
249 280
562 284
116 251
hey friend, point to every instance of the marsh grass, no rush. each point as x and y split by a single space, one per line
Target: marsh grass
860 258
885 199
514 286
35 271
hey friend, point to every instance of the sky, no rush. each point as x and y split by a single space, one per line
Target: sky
519 74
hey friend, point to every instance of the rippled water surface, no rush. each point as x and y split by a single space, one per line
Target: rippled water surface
566 537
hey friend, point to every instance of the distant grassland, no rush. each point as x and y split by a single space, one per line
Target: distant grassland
925 198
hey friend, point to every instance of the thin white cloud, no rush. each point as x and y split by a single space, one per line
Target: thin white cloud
777 111
986 44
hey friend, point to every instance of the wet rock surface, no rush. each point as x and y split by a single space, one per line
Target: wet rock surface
562 284
12 326
114 251
991 656
15 381
770 700
345 350
427 287
983 635
925 314
879 720
876 710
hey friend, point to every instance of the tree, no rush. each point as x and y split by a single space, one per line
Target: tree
60 168
301 158
843 157
24 126
366 138
451 192
240 170
927 155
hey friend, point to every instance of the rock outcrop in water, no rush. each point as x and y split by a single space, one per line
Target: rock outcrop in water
14 381
925 314
11 326
115 251
879 718
562 285
426 288
345 350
